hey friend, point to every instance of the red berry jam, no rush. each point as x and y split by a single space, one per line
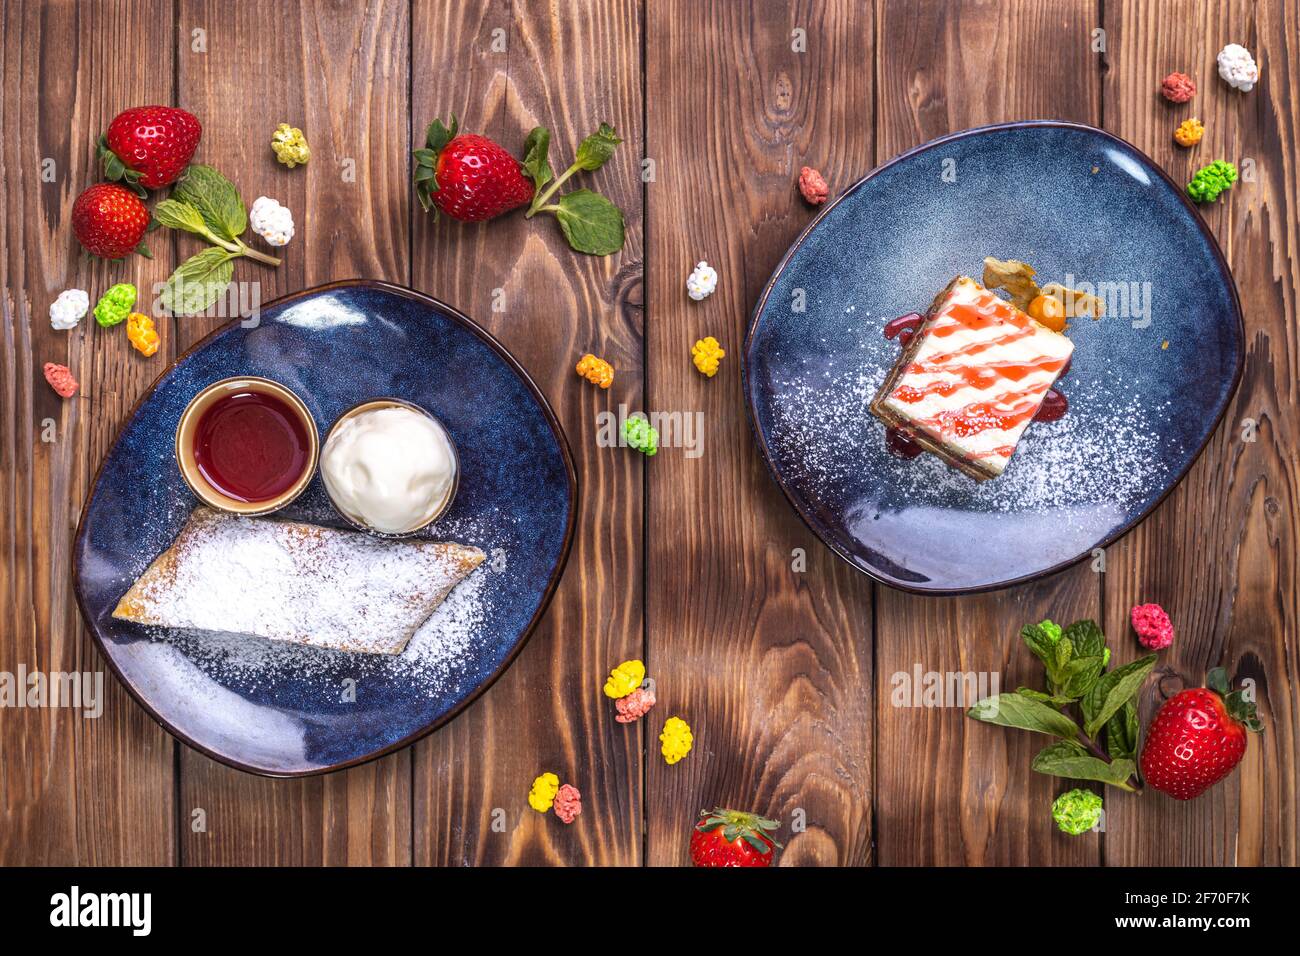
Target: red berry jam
251 446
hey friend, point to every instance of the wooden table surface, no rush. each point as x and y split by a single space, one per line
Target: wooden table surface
689 563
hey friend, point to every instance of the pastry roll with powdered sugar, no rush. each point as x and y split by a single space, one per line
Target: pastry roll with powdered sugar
302 583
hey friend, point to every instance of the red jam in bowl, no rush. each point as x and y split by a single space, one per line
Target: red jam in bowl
251 446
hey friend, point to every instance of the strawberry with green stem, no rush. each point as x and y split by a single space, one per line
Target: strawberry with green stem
148 147
1197 737
467 176
110 222
733 838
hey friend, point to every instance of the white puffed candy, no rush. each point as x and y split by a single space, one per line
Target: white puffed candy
702 281
271 221
68 309
1238 67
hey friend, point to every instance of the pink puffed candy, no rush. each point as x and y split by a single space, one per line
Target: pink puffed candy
568 803
812 186
635 705
60 379
1178 87
1154 629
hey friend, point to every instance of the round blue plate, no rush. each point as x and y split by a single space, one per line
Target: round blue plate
284 710
1148 385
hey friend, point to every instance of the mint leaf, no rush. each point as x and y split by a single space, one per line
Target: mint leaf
179 215
535 164
596 149
437 136
1063 651
426 160
591 223
1017 710
1122 732
1069 758
198 281
1087 638
1111 691
1048 699
1045 640
1079 676
216 199
1041 640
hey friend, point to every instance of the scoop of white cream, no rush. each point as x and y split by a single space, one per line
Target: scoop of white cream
389 468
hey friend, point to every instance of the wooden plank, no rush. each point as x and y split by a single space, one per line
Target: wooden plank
770 665
340 72
567 67
1220 553
73 790
950 790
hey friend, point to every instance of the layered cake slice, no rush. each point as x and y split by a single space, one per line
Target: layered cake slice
972 378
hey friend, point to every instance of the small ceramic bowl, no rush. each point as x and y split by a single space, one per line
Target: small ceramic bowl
377 403
194 477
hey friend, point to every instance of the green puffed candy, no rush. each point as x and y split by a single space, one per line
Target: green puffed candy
1212 180
115 304
640 435
1076 811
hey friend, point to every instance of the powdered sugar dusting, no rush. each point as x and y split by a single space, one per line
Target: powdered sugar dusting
1111 453
433 664
297 582
430 661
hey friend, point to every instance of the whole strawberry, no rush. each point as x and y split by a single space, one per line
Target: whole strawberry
110 220
1197 737
149 146
468 177
732 838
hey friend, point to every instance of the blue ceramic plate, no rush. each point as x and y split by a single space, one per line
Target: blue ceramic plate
281 709
1148 384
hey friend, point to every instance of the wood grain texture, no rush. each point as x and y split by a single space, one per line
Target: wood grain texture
72 789
503 68
339 72
785 675
1220 553
771 666
951 790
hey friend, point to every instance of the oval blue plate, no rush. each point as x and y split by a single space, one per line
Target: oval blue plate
1148 385
284 710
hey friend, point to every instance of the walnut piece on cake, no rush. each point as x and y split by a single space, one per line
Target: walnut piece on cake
972 378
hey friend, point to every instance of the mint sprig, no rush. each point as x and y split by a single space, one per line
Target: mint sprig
1074 664
207 204
590 222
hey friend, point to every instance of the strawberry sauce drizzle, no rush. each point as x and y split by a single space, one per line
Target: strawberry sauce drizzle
975 417
900 444
904 327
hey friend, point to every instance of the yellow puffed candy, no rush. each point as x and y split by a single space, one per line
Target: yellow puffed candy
542 795
596 370
676 740
290 145
1189 132
706 353
140 331
624 679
